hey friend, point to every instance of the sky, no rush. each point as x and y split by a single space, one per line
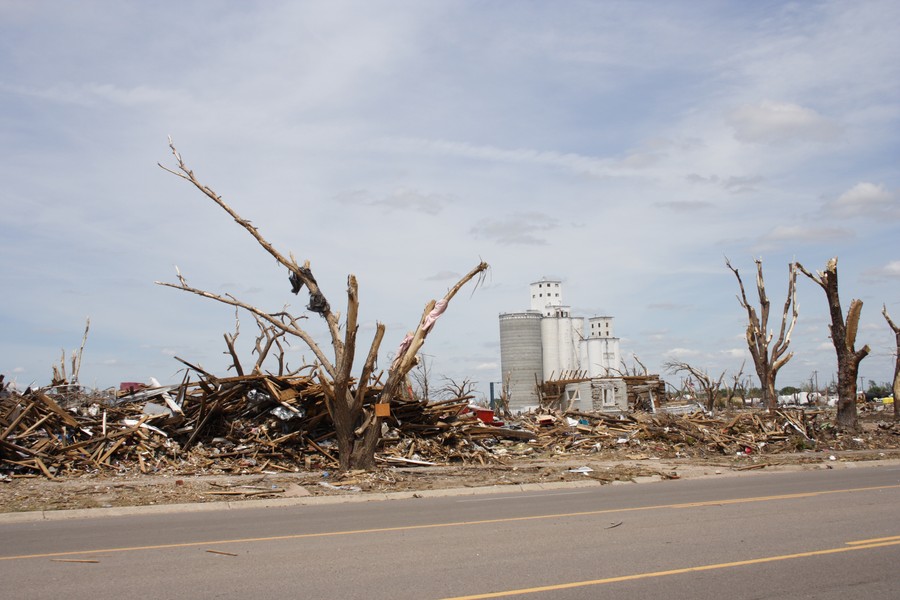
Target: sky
624 148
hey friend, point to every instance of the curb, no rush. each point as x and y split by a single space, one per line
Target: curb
161 509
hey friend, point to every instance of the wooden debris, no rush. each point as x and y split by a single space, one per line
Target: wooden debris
261 422
75 560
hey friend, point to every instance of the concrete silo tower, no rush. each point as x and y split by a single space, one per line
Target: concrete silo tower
521 365
548 343
600 349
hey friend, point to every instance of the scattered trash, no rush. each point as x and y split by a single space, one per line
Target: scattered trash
340 488
582 470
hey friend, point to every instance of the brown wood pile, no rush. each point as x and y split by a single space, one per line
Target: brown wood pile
239 424
701 435
257 423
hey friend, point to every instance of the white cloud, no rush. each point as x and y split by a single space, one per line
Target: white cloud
517 229
682 353
402 200
487 366
774 122
405 199
685 206
792 235
588 165
890 271
866 199
95 94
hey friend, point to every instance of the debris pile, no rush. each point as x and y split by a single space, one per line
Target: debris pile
266 423
238 424
664 435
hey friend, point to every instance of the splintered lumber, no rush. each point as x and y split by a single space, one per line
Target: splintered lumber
500 432
250 423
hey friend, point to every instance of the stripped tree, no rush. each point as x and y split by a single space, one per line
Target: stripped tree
768 358
709 385
843 336
896 386
357 422
457 389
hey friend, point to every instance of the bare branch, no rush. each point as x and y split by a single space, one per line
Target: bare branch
768 357
893 326
229 343
288 328
301 274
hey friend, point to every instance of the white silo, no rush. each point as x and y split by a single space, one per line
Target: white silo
521 360
577 336
550 343
592 357
566 348
602 356
612 354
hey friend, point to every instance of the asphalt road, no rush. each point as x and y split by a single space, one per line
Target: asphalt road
818 534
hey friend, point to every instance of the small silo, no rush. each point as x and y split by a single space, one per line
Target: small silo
550 344
600 354
565 346
577 337
521 361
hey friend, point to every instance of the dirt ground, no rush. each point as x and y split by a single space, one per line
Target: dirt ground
34 493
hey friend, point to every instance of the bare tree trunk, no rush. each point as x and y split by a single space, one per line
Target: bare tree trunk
736 379
895 388
759 338
369 434
843 336
357 428
708 384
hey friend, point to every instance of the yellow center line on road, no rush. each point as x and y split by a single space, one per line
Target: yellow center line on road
637 576
875 540
324 534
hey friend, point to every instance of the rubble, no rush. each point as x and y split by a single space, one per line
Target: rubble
254 424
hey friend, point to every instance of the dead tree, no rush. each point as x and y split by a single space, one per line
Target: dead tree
60 378
709 385
421 377
735 386
453 389
843 336
768 358
503 400
357 426
895 388
625 371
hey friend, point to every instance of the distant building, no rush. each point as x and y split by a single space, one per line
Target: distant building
546 343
